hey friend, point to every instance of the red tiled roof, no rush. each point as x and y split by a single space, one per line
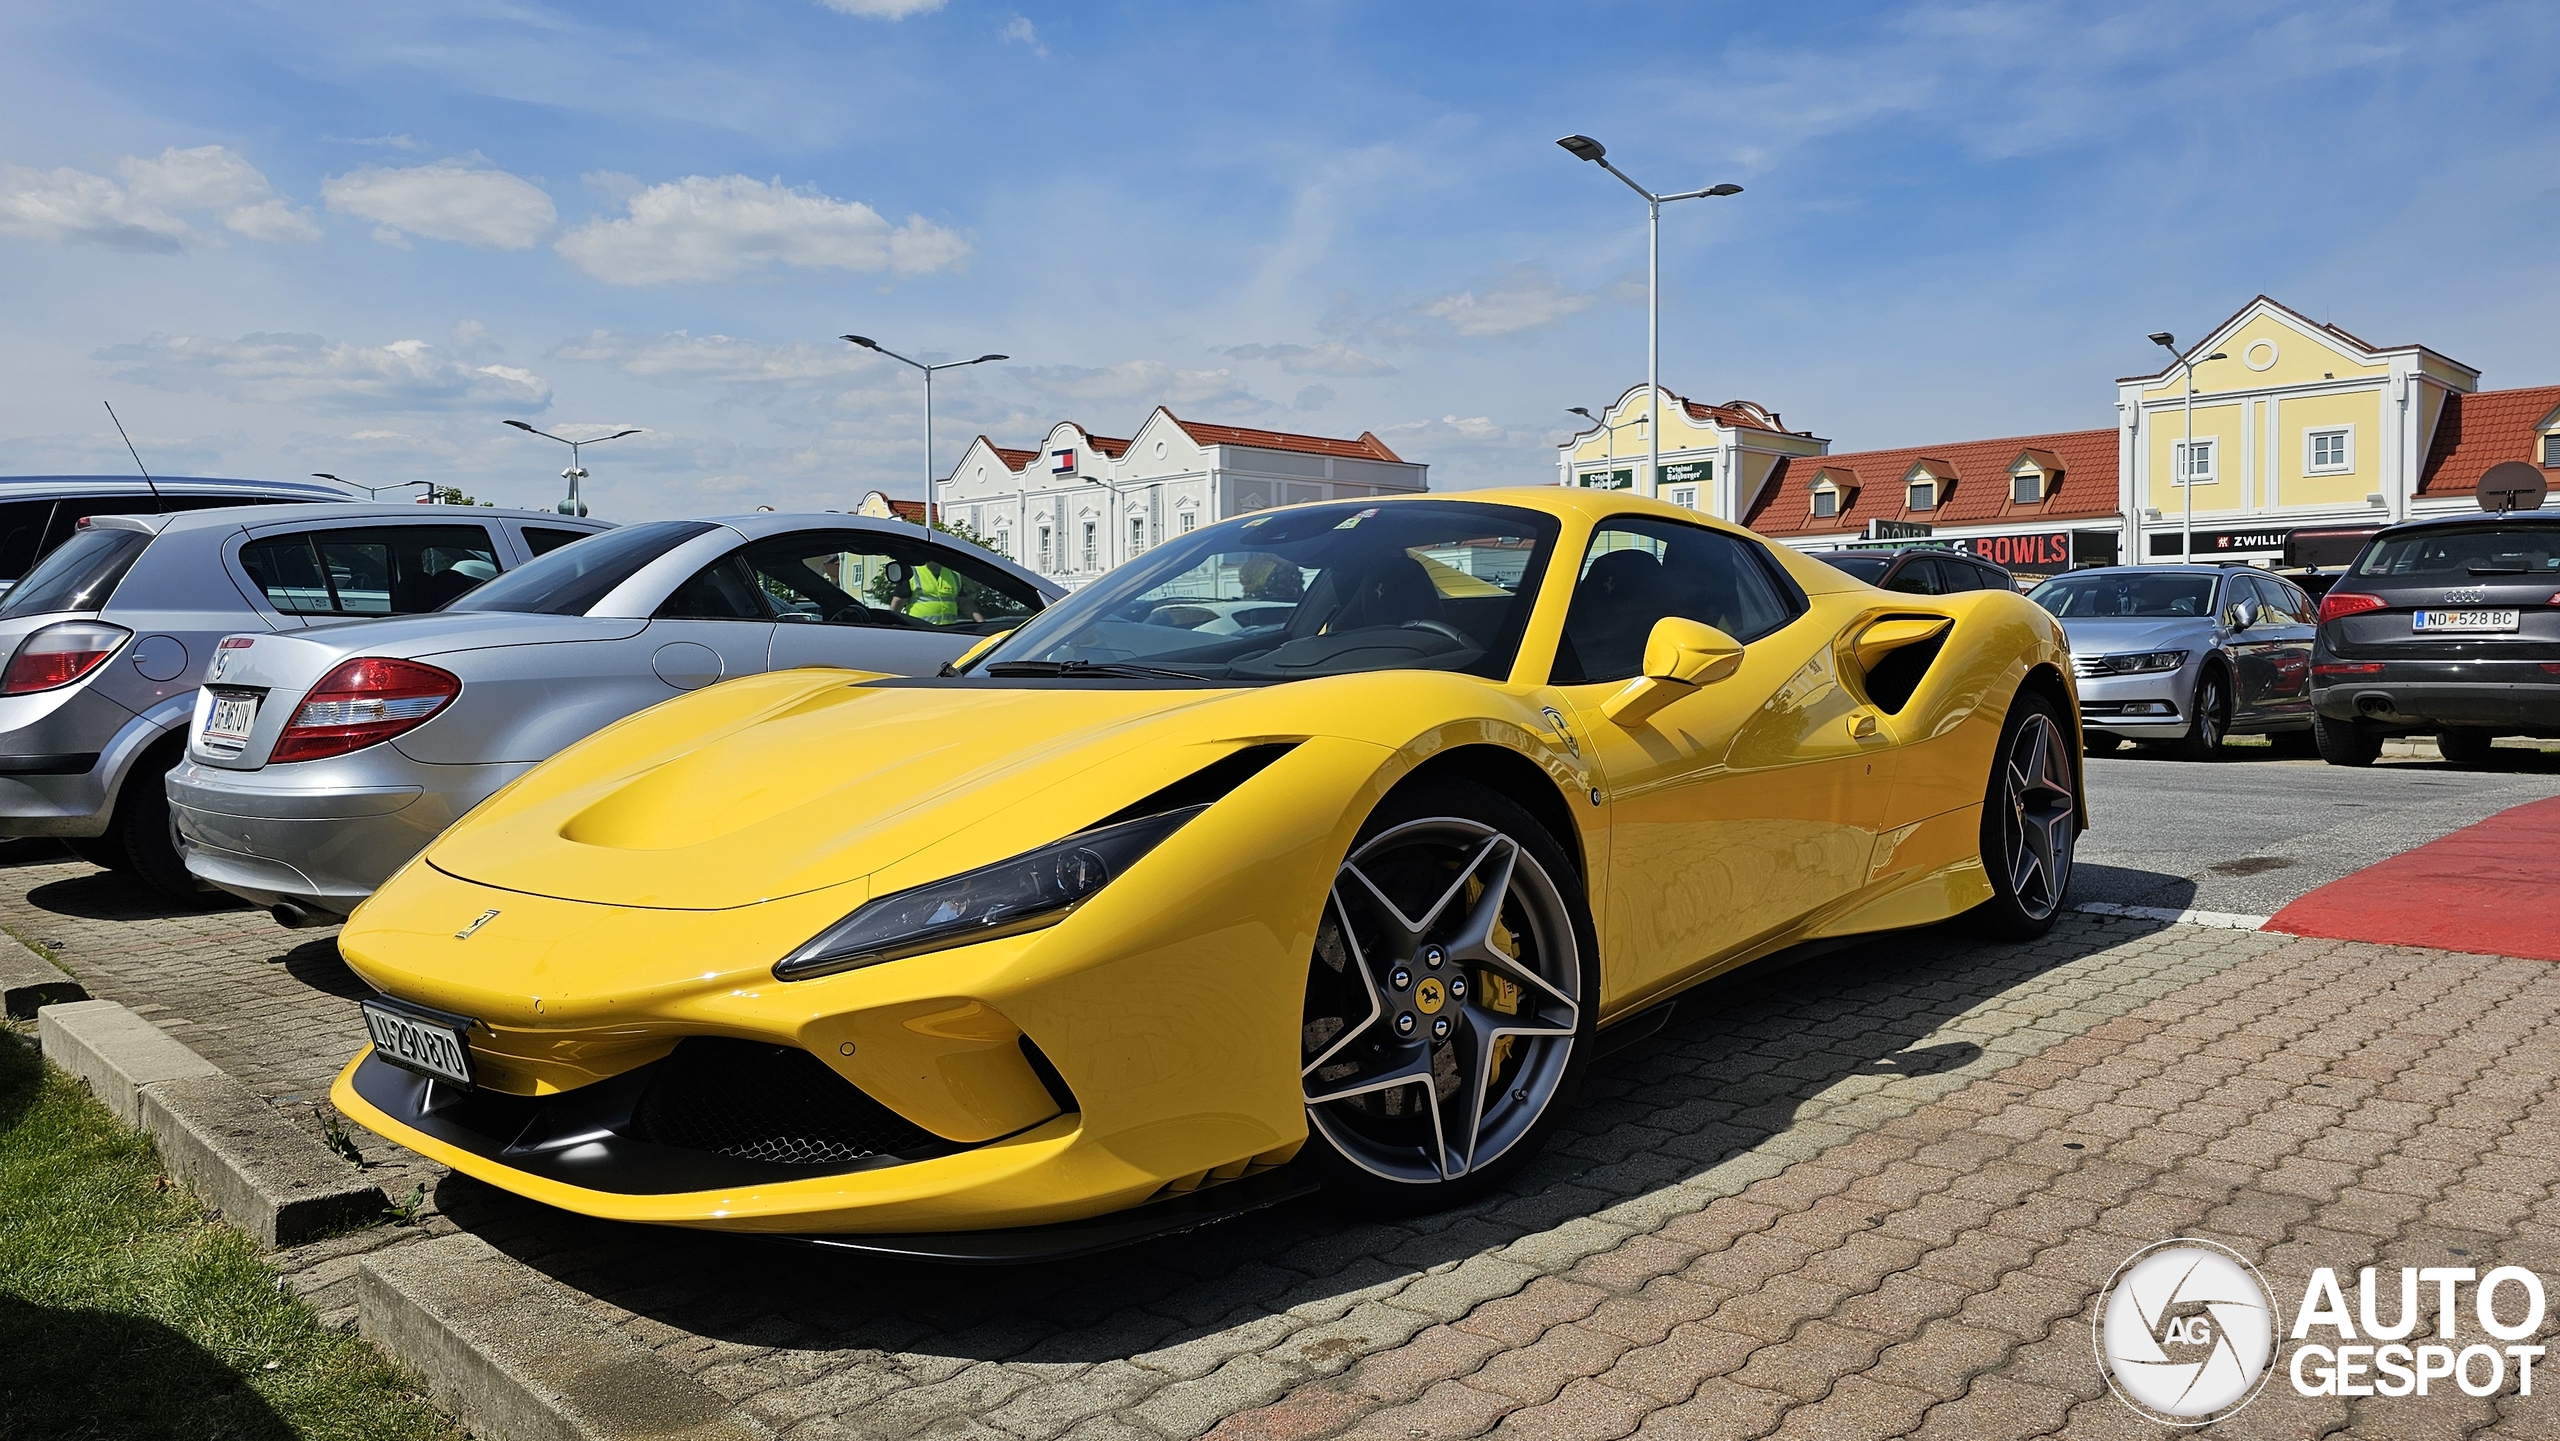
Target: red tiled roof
1871 482
910 511
2479 430
1736 415
1112 446
1367 447
1014 460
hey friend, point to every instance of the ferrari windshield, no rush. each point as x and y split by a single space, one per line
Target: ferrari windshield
1309 590
2144 595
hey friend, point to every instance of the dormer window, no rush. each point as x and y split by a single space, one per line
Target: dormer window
1826 498
1923 493
2026 487
2551 450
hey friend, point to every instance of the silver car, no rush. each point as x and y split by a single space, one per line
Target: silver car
108 635
2187 655
318 764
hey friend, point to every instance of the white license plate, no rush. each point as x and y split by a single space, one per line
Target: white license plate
423 1046
2475 622
229 722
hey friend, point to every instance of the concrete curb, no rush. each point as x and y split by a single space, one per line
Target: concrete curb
510 1353
258 1169
28 981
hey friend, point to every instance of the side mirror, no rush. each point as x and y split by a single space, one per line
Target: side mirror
1679 656
2242 615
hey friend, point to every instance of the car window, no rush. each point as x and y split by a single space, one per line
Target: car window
865 578
1869 568
572 579
722 590
544 539
78 574
22 535
370 570
2126 594
1639 571
2484 551
1917 576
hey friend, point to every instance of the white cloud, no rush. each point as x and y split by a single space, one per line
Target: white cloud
882 9
705 228
1314 397
1524 297
1020 31
1143 382
683 358
452 200
148 211
1330 358
312 370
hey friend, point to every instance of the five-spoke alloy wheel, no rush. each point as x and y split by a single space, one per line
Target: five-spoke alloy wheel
2030 821
1448 1001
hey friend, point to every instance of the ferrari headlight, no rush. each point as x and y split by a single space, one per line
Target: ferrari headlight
1034 889
2158 660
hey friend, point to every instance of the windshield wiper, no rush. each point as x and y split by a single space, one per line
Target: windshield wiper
1096 669
2499 570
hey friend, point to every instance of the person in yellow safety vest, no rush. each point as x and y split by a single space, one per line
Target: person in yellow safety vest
936 591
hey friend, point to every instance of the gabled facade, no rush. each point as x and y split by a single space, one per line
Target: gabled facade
1081 503
1715 458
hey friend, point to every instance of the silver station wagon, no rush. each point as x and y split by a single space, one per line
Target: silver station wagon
110 633
322 761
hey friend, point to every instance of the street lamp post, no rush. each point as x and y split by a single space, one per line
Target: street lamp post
2187 458
377 490
1611 430
932 483
577 471
1583 147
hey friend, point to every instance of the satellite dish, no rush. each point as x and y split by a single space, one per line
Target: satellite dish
2512 485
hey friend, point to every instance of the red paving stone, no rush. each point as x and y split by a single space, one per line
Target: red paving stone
2488 889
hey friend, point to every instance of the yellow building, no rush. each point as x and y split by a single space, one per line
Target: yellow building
1714 457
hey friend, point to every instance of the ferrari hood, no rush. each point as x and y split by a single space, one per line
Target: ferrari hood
771 786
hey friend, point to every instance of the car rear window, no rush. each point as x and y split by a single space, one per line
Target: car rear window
570 580
2482 550
79 574
1869 568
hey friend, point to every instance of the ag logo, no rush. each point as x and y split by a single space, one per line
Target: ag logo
2185 1332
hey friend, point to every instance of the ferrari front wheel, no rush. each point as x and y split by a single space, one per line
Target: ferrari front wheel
1450 1002
2030 822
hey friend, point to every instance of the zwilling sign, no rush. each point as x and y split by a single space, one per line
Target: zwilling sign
2219 542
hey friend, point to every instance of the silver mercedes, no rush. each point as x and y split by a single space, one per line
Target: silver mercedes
319 763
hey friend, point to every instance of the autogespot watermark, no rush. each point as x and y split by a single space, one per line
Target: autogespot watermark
2187 1333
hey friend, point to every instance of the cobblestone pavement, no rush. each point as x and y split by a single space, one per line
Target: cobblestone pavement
1873 1194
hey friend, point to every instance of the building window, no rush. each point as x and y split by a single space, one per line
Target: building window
1003 542
1924 495
2551 449
2026 487
1826 499
2192 464
1685 497
2329 452
1190 521
1046 567
1092 546
1137 534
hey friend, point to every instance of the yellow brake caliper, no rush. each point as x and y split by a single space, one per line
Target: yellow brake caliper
1499 992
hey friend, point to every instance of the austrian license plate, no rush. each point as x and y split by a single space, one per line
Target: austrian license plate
2463 622
228 723
421 1045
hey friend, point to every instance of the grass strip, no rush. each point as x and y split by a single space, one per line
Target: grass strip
127 1311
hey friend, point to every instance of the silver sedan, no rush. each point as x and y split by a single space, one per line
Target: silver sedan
317 764
2186 655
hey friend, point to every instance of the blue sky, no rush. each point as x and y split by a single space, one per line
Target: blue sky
354 237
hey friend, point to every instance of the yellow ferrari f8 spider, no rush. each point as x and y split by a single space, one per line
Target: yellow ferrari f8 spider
1321 845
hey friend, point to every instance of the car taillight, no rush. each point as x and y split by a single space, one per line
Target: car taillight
2341 667
2346 602
364 702
60 654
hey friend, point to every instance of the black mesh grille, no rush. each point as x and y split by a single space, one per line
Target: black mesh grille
764 1102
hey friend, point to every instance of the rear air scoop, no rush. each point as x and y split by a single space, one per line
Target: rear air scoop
775 785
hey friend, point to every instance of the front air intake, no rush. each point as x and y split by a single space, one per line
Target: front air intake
763 1102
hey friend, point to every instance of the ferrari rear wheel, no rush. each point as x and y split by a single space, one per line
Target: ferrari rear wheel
1450 1001
2030 822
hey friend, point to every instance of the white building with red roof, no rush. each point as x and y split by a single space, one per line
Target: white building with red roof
1081 503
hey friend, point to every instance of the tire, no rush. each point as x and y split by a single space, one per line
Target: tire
104 852
1395 1117
144 831
2300 745
2345 743
2098 745
2030 824
2466 746
2211 712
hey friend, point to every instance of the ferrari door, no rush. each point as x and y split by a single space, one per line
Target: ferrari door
1747 804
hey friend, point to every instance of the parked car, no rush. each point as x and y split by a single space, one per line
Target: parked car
2449 627
319 763
39 512
1920 570
2186 655
109 634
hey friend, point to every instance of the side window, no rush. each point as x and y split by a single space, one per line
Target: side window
861 578
722 590
1918 576
544 539
1639 571
370 570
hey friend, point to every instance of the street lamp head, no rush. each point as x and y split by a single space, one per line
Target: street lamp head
617 435
2164 338
2217 355
1583 147
1584 413
324 475
518 424
865 341
1727 188
983 359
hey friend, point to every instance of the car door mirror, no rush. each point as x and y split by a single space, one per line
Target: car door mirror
2242 615
1680 655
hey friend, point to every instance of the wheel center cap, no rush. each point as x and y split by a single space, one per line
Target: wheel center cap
1429 996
